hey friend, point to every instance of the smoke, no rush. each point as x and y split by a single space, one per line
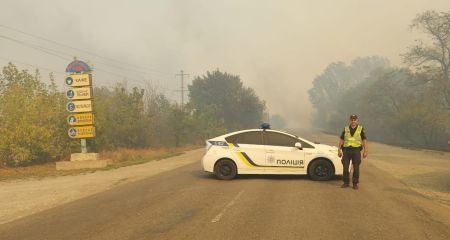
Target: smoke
276 47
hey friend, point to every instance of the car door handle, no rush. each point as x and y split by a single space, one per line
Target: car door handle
270 151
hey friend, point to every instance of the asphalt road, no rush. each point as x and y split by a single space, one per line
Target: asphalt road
187 203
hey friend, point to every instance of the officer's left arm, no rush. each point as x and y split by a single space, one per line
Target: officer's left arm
365 144
366 148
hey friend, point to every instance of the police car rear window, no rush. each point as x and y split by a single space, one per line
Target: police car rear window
246 138
278 139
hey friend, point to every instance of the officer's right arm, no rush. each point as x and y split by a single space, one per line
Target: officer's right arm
341 142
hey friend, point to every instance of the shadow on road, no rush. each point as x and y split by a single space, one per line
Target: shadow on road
438 181
405 191
207 175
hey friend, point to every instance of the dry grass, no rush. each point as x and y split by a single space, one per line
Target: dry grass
23 172
126 157
120 158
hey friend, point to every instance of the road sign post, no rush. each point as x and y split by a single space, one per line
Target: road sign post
80 94
82 132
79 80
81 118
79 106
83 146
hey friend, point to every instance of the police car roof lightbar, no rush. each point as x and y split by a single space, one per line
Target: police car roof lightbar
265 126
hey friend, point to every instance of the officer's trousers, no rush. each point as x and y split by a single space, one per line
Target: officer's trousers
353 155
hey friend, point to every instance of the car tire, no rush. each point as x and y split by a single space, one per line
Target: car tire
225 169
321 170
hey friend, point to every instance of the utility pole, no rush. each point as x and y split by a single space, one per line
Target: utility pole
182 74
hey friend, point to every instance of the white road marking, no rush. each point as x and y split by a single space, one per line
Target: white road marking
219 216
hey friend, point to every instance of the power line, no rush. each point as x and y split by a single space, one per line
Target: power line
62 72
48 50
31 65
121 67
59 53
62 55
52 52
36 47
80 50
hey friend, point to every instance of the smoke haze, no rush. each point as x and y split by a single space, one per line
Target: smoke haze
277 47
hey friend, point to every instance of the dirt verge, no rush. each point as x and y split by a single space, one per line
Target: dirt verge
19 198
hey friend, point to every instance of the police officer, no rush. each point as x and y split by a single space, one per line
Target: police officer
353 141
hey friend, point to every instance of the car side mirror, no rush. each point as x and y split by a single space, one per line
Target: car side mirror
298 145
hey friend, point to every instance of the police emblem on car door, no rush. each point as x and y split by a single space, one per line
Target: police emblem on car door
281 152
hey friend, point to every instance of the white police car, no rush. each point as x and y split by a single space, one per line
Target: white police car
265 151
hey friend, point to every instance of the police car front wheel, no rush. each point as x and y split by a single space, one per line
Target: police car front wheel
225 169
321 170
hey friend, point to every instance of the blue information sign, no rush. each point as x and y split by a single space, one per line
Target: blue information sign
72 119
72 132
69 81
70 93
70 107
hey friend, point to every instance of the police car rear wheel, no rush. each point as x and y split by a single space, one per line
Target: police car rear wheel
225 170
321 170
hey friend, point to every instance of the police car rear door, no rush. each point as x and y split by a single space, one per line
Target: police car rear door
281 153
248 149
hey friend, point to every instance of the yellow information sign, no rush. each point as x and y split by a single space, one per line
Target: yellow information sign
80 119
79 93
82 132
79 80
79 106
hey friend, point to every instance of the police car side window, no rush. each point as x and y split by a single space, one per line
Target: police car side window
278 139
246 138
304 144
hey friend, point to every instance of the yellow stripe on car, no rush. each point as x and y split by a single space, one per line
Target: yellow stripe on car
241 156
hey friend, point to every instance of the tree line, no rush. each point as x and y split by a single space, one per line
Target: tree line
33 127
400 105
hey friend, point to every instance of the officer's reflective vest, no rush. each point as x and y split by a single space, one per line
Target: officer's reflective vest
355 140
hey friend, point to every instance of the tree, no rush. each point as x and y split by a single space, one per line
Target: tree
157 111
33 120
177 121
277 121
237 105
437 53
335 82
394 109
208 123
120 118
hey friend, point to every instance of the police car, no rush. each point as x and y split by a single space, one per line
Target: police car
266 151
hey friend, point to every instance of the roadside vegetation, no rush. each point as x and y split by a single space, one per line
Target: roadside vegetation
132 124
409 106
119 158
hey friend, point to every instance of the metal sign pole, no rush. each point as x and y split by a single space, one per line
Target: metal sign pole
80 96
83 146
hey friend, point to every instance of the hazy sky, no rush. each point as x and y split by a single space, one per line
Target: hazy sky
277 47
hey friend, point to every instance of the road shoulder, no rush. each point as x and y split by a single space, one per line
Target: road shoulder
25 197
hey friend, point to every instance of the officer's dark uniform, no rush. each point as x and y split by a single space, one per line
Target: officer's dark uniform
351 153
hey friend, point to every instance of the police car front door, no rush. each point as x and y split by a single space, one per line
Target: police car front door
249 150
281 153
